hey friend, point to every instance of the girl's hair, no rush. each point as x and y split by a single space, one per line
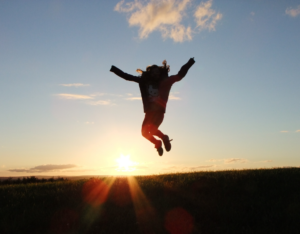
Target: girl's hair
146 75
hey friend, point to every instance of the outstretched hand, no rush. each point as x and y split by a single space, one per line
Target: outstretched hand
112 68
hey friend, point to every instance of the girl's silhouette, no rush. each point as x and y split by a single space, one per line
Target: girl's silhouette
155 85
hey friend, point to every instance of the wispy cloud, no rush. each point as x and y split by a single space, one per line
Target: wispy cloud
100 103
293 12
215 160
200 167
45 168
134 98
298 130
284 131
75 85
166 16
105 94
173 97
187 168
73 96
235 160
229 160
205 17
87 98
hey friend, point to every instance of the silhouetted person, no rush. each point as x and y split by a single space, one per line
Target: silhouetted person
155 85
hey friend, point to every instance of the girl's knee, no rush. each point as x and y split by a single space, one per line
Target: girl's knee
145 132
153 129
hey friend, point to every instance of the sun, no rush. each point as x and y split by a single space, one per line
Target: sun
125 164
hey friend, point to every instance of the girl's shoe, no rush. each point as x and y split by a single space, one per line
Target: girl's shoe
167 142
159 148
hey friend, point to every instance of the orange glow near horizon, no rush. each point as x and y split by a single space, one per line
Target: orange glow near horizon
125 164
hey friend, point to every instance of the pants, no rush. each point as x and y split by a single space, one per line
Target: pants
150 126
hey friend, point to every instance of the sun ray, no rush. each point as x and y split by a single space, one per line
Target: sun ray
144 211
125 164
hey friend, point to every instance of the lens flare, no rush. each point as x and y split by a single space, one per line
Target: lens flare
125 164
95 191
179 221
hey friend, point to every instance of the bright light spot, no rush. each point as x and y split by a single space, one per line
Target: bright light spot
125 164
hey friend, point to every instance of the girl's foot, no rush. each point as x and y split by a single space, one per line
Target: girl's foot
167 142
159 148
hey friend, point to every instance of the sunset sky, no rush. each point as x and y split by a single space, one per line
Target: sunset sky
63 113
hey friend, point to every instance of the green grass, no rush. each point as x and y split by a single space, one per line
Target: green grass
246 201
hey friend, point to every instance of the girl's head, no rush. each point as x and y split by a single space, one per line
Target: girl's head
154 72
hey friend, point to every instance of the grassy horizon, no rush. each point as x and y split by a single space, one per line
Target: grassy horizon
231 201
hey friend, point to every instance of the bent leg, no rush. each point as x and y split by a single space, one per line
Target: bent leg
159 134
146 132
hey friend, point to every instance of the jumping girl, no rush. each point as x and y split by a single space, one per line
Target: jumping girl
155 85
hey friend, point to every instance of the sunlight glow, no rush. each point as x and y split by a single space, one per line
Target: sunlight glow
125 164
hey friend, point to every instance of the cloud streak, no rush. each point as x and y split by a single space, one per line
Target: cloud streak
173 97
100 103
88 98
75 85
234 160
229 160
73 96
45 168
134 98
166 16
293 12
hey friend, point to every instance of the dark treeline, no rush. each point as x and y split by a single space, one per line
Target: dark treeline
28 180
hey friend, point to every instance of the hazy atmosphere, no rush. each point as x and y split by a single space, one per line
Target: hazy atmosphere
63 113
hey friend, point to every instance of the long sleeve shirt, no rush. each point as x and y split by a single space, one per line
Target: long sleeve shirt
155 99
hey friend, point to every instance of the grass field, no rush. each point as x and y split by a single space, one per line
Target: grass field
246 201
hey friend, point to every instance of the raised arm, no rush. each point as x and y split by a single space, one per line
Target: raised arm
124 75
182 72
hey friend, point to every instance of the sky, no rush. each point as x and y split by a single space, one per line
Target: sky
63 113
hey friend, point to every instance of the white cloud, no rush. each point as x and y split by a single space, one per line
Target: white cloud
293 12
205 17
166 16
73 96
173 97
130 6
86 98
100 102
105 94
134 98
75 85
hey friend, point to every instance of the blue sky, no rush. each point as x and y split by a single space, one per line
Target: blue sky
64 113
